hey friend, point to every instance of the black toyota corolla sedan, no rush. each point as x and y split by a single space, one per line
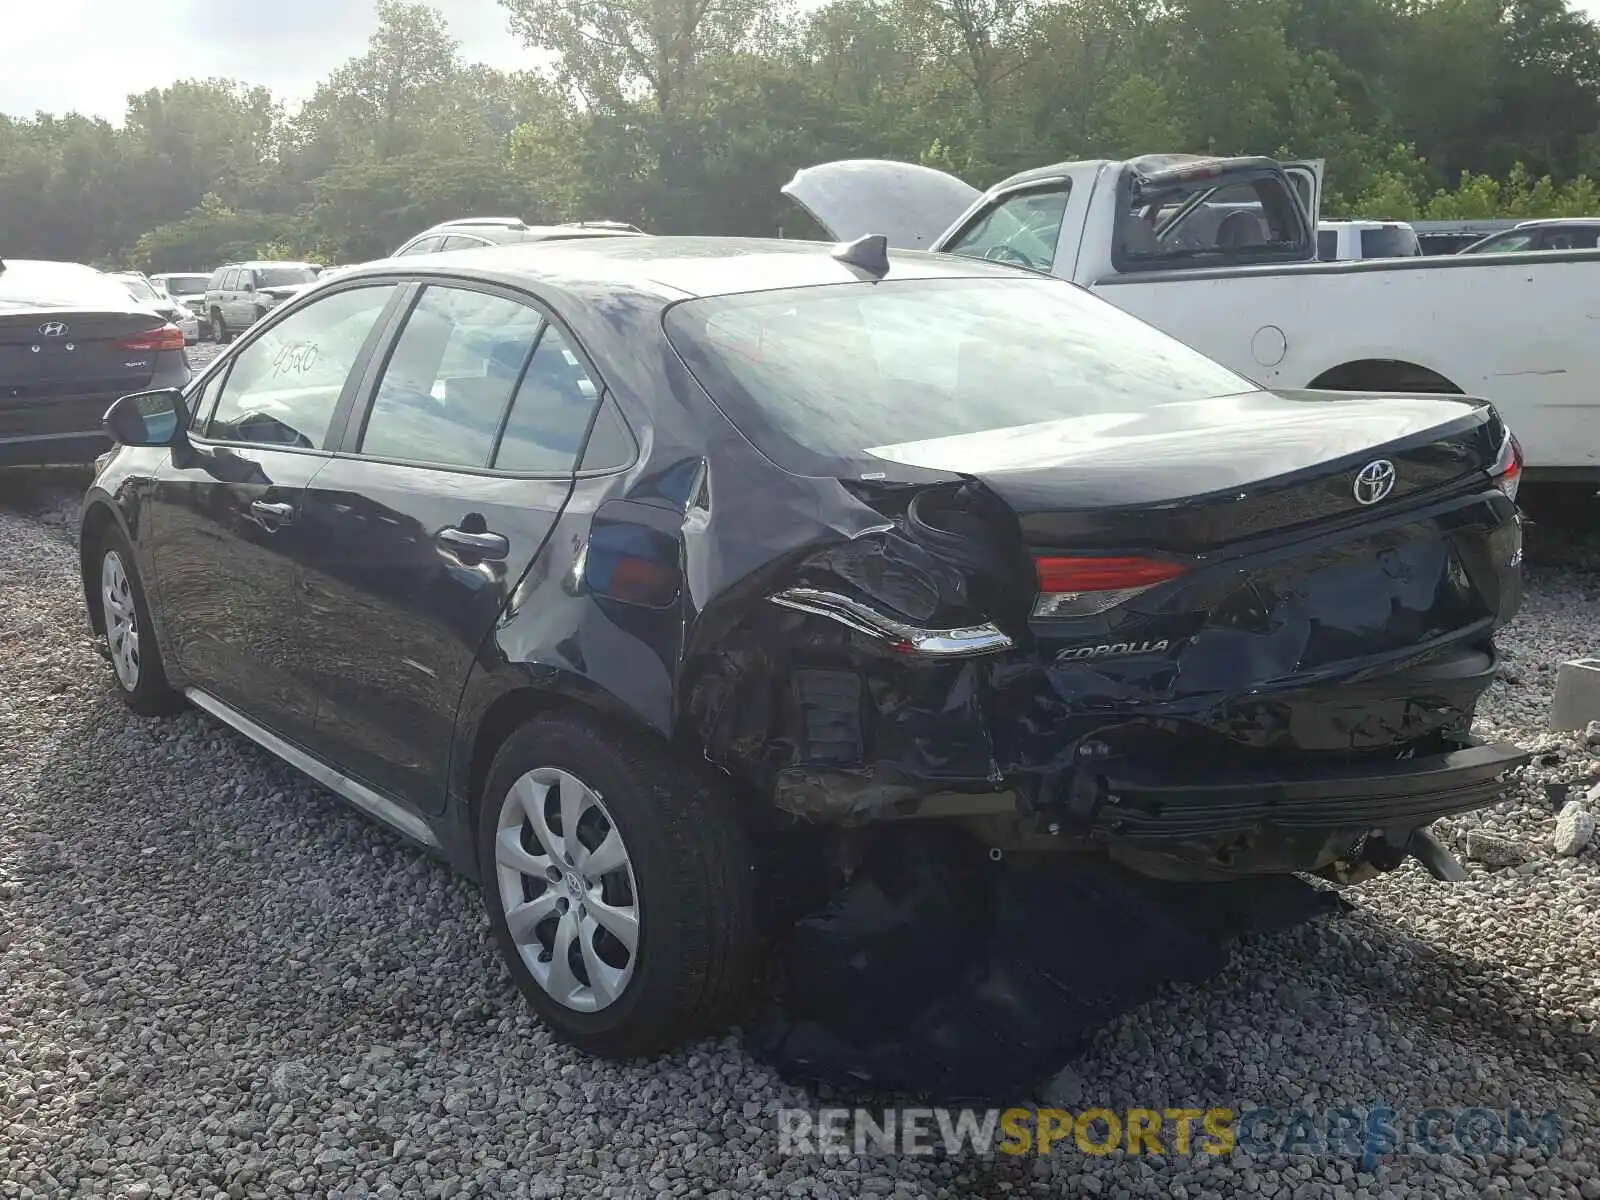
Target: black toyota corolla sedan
619 572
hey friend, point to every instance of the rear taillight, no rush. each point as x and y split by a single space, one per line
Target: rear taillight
1087 587
1507 469
167 337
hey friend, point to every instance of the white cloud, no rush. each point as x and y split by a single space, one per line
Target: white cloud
89 55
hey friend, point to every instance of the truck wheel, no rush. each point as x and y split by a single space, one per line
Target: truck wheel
219 327
130 638
620 887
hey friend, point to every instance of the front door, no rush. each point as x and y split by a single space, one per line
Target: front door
442 497
226 515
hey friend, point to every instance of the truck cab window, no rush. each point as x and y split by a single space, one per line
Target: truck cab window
1022 228
1198 223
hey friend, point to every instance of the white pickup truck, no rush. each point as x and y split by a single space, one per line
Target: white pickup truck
1221 253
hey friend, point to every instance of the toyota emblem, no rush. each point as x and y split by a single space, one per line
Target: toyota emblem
1374 481
54 329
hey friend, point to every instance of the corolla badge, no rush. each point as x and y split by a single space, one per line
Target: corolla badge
1374 481
54 329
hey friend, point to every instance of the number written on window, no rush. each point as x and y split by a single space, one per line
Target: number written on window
283 387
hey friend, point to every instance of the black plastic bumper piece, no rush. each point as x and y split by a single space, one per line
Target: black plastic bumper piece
1397 794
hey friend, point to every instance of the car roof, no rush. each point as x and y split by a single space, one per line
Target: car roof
261 262
1541 222
673 268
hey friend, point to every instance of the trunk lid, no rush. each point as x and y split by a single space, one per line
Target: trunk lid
1220 548
1191 477
911 205
58 351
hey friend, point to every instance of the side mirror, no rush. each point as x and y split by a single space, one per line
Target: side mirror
248 286
156 418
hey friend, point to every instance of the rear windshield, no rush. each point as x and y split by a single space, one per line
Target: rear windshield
817 375
185 285
1392 241
34 284
284 276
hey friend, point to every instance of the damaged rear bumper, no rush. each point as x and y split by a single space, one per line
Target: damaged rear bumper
1254 821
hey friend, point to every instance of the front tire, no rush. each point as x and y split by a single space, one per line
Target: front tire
130 638
636 929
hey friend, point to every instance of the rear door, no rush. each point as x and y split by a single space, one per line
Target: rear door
226 513
446 487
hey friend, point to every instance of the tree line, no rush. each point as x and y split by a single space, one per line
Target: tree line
687 116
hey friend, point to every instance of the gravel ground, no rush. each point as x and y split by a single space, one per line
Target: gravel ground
218 980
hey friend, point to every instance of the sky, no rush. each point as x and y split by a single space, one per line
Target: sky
88 55
58 55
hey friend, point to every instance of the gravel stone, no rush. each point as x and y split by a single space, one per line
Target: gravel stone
1574 830
1494 852
219 980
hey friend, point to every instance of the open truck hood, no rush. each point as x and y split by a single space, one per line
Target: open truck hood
915 206
910 205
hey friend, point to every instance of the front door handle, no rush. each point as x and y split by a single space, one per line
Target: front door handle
475 545
268 510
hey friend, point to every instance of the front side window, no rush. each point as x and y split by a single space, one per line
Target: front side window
1328 245
457 242
819 377
283 388
1022 229
449 381
1197 222
1504 243
202 400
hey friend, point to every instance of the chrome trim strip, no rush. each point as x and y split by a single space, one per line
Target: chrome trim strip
380 808
852 614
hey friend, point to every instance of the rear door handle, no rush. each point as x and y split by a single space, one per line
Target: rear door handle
477 545
268 510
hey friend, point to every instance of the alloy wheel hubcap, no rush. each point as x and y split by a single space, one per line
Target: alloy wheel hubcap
567 889
122 619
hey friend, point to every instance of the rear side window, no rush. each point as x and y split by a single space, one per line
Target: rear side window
545 430
450 378
1392 241
824 376
1581 238
1198 222
426 246
284 387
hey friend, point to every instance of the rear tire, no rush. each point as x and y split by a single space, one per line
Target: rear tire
136 664
219 327
660 859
